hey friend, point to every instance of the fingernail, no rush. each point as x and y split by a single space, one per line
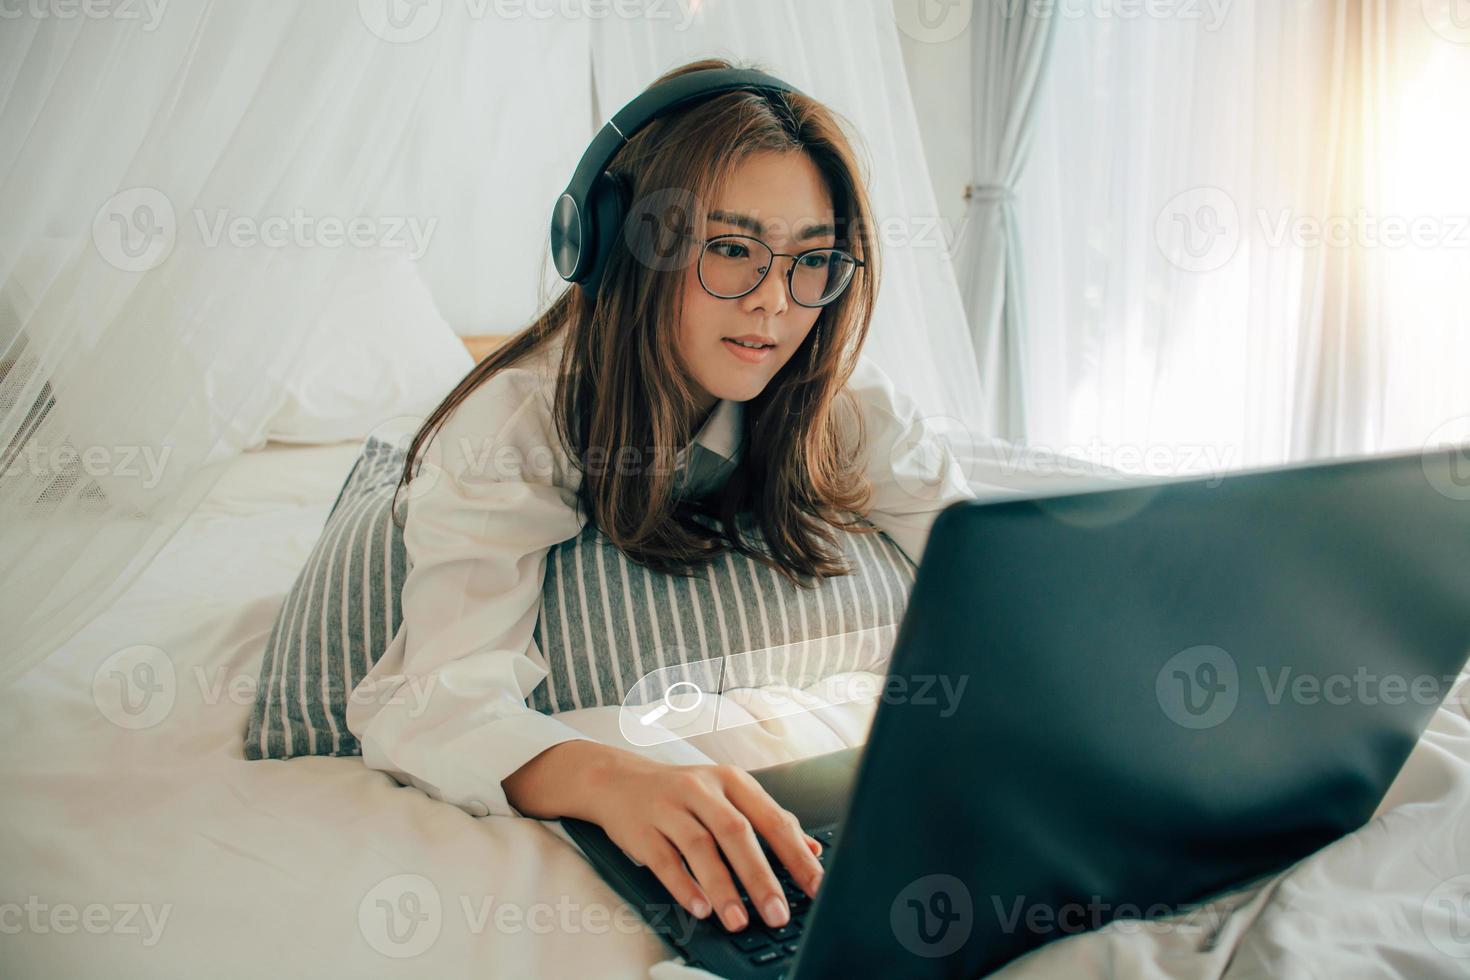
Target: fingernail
816 880
735 916
701 908
776 913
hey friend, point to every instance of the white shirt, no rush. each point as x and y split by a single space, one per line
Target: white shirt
445 708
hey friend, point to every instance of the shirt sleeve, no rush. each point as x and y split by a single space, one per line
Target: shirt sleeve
445 708
914 472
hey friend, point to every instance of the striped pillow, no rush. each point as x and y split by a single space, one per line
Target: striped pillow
605 622
337 620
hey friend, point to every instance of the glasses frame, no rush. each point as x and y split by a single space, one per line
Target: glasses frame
790 269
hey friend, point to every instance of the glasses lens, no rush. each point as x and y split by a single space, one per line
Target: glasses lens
733 266
820 276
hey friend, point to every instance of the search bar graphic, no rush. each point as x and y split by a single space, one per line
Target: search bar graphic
683 700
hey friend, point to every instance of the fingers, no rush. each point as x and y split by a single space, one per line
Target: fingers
736 837
781 829
713 817
702 851
662 857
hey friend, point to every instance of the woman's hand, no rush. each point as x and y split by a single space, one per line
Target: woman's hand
664 815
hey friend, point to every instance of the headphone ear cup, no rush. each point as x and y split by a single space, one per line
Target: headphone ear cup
608 204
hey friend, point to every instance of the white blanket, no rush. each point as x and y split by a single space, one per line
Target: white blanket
138 842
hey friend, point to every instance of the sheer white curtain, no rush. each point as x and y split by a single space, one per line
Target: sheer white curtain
179 195
847 54
1216 213
1011 48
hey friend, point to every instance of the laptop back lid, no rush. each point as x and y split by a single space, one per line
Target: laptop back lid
1121 703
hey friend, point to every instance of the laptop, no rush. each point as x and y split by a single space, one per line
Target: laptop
1172 689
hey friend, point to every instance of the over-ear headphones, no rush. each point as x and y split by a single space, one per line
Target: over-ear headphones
589 215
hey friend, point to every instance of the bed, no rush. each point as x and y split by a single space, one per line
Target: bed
138 842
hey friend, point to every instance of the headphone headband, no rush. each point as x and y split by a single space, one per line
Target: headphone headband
583 228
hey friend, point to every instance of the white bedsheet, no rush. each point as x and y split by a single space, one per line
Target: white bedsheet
159 851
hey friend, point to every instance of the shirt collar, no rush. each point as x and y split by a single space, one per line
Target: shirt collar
722 432
706 463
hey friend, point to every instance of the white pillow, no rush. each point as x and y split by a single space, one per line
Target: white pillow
380 351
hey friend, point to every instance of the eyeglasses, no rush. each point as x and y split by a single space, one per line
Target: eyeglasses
730 266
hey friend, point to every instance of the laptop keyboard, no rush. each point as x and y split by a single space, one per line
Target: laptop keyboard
767 945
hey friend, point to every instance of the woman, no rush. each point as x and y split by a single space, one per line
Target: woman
733 316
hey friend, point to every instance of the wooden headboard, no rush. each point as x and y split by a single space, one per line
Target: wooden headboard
482 344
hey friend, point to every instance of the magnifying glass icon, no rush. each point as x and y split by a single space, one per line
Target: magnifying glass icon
668 705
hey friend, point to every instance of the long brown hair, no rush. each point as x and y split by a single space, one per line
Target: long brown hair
623 383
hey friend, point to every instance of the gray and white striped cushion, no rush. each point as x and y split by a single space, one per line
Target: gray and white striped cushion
605 621
337 620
